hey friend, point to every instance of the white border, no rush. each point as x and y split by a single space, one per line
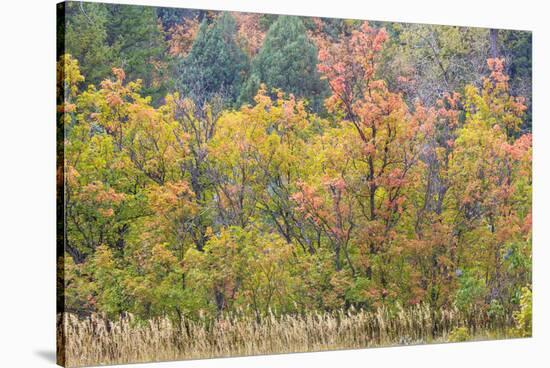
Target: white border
27 182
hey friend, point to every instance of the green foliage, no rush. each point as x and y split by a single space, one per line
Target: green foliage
524 317
86 39
216 66
287 61
245 268
459 334
427 61
517 258
359 291
170 17
470 293
136 36
495 310
517 49
103 36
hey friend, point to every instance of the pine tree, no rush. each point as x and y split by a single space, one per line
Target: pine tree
86 39
216 65
103 36
139 46
288 61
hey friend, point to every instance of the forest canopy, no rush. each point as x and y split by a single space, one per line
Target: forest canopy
214 162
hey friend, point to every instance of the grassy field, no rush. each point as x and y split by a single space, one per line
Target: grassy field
95 340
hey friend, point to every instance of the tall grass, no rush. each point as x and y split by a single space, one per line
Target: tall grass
94 340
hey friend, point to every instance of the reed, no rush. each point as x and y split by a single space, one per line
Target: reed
95 340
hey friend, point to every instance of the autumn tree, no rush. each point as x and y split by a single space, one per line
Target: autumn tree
256 148
411 186
388 135
250 33
427 61
181 37
491 186
121 152
247 268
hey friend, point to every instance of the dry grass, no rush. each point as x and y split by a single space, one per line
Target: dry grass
96 341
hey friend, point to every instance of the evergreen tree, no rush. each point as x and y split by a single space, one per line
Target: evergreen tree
86 39
516 49
170 17
216 65
136 37
287 60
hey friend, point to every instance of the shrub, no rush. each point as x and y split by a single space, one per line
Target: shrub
459 334
524 316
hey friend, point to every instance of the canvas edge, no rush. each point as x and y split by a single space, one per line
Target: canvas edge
60 197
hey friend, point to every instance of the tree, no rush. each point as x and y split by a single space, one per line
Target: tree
119 151
250 34
102 36
412 186
181 37
517 51
387 145
171 17
491 185
427 61
86 39
137 39
216 66
245 268
287 61
253 149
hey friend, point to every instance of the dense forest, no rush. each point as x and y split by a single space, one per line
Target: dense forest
216 163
